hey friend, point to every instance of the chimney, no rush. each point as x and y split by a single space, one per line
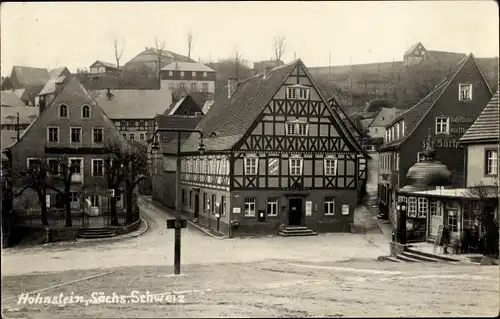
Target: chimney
231 86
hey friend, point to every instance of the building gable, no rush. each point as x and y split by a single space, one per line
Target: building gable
33 141
326 132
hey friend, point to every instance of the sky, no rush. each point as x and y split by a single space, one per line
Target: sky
75 34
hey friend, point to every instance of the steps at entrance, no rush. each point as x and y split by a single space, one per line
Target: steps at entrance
419 257
405 258
91 233
429 255
290 231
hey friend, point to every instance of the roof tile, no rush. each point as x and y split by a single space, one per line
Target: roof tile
486 126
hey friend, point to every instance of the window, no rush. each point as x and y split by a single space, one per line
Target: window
53 134
193 74
141 136
433 208
214 199
182 86
94 201
397 131
251 165
97 167
205 87
297 92
272 206
423 204
387 135
76 135
330 165
329 205
442 125
412 207
273 166
223 203
204 204
420 157
75 165
491 167
193 87
182 73
296 166
32 163
86 111
97 135
170 73
63 110
297 128
131 136
124 135
249 206
123 124
453 220
402 128
74 200
53 166
465 92
205 74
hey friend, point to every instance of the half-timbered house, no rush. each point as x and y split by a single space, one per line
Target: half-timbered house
277 155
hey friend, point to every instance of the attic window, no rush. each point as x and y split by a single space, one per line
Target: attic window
297 128
465 92
86 111
297 92
63 110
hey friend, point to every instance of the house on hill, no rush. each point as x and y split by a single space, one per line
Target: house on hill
276 154
101 68
417 54
148 59
187 77
446 113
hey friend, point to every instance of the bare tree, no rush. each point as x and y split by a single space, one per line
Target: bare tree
118 45
114 178
279 48
238 58
160 47
190 42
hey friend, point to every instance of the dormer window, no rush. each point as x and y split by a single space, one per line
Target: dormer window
251 165
297 92
63 110
297 128
86 111
465 92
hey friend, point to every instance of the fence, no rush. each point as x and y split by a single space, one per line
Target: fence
57 219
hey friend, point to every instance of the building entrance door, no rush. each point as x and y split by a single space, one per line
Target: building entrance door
435 218
196 205
295 211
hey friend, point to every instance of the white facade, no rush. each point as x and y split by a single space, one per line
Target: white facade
188 85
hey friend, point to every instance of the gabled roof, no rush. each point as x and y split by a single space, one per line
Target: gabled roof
57 72
50 86
31 92
151 55
447 57
133 104
74 92
229 119
486 126
385 116
27 76
10 99
8 138
413 48
108 64
27 114
415 115
187 67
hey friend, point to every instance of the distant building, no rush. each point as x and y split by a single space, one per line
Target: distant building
57 72
25 77
188 77
263 66
148 59
133 112
10 99
50 90
100 68
417 53
376 129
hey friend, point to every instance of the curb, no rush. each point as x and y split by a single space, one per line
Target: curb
98 240
154 203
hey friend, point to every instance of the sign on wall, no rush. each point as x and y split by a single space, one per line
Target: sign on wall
309 205
442 143
236 210
345 209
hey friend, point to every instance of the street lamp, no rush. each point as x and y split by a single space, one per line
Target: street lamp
178 221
